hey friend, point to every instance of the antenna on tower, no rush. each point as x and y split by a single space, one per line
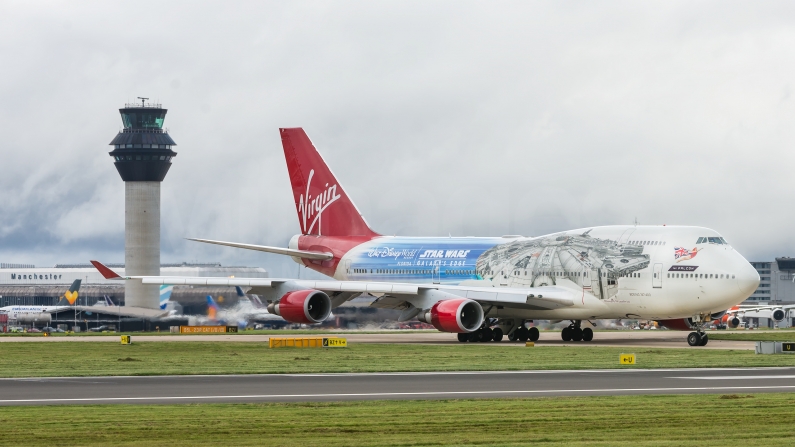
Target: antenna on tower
143 101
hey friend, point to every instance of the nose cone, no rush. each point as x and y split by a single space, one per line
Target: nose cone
747 279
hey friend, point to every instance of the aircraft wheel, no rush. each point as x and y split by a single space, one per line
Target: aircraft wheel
533 334
474 336
587 334
523 335
463 337
565 334
487 334
576 334
496 334
512 336
704 340
694 339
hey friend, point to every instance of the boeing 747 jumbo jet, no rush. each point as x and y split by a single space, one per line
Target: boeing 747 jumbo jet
484 288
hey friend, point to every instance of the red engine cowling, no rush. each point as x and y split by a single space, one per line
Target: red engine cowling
679 324
308 306
455 315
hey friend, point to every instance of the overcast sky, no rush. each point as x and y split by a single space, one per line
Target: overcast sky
441 117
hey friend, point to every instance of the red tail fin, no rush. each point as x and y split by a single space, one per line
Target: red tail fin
323 206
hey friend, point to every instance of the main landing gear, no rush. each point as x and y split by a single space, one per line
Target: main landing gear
524 334
484 334
494 330
574 332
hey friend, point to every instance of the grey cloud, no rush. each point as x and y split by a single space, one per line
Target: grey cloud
446 117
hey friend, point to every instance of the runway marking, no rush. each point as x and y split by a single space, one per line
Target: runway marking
420 393
734 377
407 373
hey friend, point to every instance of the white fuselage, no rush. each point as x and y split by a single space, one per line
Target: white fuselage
647 272
14 311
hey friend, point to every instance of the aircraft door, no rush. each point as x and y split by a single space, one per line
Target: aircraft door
437 272
656 279
347 265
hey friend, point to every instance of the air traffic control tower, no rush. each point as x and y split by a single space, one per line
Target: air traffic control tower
142 155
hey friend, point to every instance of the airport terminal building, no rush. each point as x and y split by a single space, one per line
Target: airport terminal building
22 284
775 282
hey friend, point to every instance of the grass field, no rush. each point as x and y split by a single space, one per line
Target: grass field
153 358
778 335
746 420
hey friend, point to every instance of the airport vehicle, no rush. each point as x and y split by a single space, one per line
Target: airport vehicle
484 288
43 314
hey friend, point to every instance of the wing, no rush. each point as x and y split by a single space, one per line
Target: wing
744 309
276 250
418 295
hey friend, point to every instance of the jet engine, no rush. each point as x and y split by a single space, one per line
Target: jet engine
307 306
778 314
454 315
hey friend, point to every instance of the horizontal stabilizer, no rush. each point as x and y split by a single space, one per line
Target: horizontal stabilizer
276 250
106 272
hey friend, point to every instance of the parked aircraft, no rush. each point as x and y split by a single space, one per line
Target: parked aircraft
484 288
734 316
43 314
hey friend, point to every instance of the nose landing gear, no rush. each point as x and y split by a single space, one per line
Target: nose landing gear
574 332
699 337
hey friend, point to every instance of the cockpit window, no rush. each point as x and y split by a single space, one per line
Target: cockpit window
712 240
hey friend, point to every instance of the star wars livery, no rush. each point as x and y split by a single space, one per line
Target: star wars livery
487 288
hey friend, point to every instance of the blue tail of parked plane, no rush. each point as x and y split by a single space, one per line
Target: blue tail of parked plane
165 295
212 308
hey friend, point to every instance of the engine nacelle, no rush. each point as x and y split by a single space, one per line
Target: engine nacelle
778 315
308 306
733 322
33 317
679 324
455 315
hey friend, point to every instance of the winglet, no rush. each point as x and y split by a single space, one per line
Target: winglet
106 272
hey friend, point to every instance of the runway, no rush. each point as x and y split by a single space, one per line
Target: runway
640 339
392 386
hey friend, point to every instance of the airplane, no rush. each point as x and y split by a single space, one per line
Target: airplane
734 315
33 314
483 288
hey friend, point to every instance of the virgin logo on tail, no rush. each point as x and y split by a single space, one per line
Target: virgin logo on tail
314 206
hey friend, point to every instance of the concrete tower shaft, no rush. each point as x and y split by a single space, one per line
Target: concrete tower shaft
142 154
142 241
